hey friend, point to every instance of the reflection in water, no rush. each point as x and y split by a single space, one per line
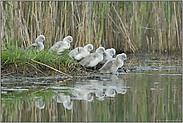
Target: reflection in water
121 88
82 94
147 94
100 93
97 87
114 84
106 86
40 103
66 100
110 92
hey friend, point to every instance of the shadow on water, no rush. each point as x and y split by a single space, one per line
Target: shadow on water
151 90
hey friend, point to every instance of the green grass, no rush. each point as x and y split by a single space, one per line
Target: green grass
18 55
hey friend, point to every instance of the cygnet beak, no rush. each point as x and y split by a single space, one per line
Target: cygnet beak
104 54
44 41
126 61
92 51
114 56
72 43
91 94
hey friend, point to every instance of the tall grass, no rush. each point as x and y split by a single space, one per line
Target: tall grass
126 26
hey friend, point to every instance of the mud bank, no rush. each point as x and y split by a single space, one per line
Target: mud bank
36 70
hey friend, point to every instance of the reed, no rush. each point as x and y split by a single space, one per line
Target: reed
126 26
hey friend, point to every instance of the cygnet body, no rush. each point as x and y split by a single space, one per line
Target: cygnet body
80 52
112 65
38 45
94 58
61 46
110 53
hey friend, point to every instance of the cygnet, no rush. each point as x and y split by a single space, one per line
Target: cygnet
94 58
61 46
38 45
112 65
110 53
80 52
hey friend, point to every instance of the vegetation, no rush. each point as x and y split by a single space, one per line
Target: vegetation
126 26
19 58
129 27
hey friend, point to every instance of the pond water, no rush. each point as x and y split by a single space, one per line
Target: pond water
149 90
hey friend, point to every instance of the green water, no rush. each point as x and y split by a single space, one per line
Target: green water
151 90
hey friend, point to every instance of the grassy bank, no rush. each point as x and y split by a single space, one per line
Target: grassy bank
15 59
126 26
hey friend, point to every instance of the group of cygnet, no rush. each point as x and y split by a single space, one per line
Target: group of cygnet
83 55
58 47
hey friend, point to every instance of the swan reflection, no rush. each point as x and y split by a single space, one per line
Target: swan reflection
108 86
121 87
110 92
115 83
66 100
82 94
100 94
40 103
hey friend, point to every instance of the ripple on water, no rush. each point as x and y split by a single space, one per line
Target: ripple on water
167 74
156 82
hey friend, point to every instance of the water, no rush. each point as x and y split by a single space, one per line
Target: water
151 90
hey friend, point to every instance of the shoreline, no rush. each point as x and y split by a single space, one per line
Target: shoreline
33 70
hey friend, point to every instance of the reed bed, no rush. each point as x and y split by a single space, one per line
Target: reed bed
127 26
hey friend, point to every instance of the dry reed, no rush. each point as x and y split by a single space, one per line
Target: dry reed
126 26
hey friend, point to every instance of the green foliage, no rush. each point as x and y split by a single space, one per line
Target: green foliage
15 54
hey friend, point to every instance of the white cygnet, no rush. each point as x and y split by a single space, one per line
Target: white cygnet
38 45
94 58
80 52
112 65
61 46
110 53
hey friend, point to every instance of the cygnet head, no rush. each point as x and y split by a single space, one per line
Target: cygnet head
89 47
40 39
101 50
69 39
111 52
122 57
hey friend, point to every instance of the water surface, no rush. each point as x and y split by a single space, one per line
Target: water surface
149 90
